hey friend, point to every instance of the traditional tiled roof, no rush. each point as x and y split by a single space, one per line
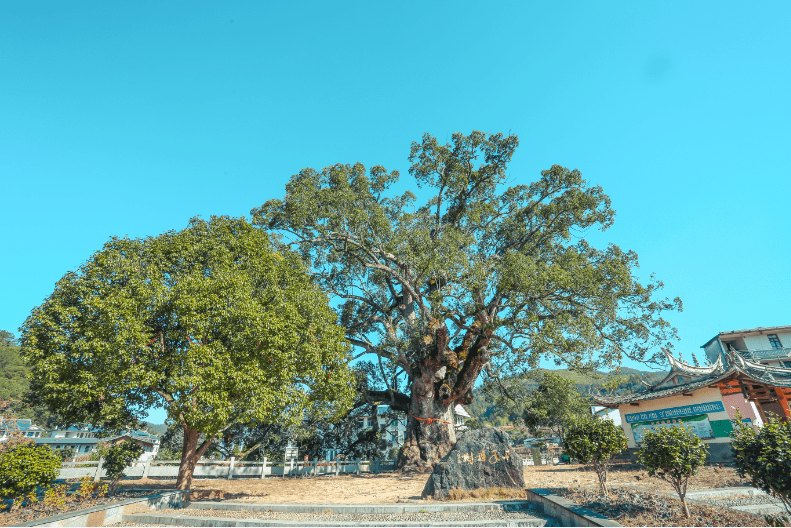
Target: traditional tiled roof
737 367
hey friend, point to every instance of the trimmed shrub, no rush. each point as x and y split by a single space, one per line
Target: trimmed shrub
673 454
25 468
118 458
765 456
594 441
65 453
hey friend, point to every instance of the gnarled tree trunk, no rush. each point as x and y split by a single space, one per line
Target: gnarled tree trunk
443 378
430 433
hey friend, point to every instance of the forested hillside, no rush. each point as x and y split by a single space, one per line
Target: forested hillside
12 373
491 406
14 384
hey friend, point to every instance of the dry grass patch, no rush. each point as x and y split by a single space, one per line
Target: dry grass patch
572 476
485 494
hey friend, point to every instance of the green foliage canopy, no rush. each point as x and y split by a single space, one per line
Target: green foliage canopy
765 456
212 322
491 401
555 404
478 273
594 441
673 454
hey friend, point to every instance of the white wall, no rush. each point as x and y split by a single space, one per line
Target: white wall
703 395
761 342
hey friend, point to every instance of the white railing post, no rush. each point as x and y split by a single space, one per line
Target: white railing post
291 467
230 468
336 467
315 467
358 466
263 469
147 467
98 476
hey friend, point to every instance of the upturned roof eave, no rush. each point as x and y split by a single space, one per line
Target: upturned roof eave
614 402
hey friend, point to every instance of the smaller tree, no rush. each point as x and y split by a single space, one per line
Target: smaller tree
118 458
594 441
555 404
65 453
673 454
765 456
25 468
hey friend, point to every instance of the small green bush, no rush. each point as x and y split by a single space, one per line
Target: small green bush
65 453
673 454
765 456
594 441
25 468
118 458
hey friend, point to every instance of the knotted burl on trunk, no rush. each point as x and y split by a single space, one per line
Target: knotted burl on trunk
482 458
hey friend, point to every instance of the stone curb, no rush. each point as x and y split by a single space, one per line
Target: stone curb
566 512
432 507
724 492
760 509
109 513
186 520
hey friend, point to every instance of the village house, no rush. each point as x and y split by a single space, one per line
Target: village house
85 440
25 427
748 378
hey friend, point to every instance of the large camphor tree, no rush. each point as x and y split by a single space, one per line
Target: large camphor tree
476 277
211 322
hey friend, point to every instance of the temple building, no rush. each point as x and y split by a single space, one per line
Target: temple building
748 376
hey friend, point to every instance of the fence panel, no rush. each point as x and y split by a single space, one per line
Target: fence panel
220 468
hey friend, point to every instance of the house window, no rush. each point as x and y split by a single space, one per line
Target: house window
774 341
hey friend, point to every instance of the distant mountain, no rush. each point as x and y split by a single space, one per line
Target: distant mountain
649 373
159 429
485 407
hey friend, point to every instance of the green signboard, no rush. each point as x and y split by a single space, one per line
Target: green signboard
699 424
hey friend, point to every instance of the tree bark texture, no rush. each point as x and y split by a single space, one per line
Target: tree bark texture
190 454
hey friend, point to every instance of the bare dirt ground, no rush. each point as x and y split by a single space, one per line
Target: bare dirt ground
572 476
389 487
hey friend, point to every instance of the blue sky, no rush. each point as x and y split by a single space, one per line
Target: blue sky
131 118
